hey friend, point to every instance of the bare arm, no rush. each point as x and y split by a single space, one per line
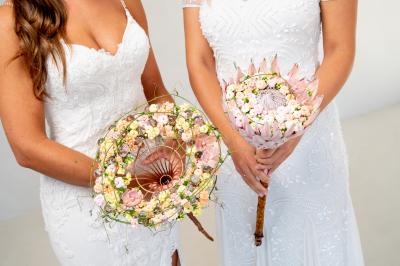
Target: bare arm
339 33
22 117
203 78
153 85
339 19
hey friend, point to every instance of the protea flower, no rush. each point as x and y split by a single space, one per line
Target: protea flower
269 109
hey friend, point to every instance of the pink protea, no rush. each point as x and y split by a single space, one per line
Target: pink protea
292 102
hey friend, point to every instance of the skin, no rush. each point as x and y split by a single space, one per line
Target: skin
26 130
339 31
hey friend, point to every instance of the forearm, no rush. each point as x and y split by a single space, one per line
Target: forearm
333 72
57 161
153 85
208 92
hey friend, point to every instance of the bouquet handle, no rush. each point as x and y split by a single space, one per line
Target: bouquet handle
259 232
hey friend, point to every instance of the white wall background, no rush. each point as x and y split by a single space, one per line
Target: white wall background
374 84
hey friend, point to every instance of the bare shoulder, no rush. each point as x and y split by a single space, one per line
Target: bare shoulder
9 45
136 8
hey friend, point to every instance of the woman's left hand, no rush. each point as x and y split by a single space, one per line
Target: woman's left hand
271 159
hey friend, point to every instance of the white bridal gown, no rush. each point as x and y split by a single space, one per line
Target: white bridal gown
100 87
309 216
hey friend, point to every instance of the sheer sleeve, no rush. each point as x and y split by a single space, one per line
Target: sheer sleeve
191 3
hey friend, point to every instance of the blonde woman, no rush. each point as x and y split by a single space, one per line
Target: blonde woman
309 218
78 65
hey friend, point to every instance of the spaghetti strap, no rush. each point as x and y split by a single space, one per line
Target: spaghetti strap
123 4
128 13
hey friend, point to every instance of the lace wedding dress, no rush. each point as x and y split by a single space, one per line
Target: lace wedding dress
309 216
100 87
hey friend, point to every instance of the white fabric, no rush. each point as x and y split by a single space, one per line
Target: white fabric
309 217
191 3
100 88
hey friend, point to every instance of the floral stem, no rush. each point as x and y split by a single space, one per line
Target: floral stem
199 226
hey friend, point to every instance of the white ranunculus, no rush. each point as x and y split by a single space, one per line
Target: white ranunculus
153 108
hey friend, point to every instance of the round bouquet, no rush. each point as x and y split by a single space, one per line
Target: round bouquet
269 109
156 166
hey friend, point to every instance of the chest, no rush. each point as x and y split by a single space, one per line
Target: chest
259 19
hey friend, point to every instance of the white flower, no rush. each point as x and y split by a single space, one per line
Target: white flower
261 84
198 172
111 169
205 176
162 119
184 107
204 129
185 126
284 90
179 122
281 110
153 108
245 108
186 136
280 118
231 88
297 114
229 95
119 182
181 188
239 95
168 106
298 127
100 201
152 132
98 188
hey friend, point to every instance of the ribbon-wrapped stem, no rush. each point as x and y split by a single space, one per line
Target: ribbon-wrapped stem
259 233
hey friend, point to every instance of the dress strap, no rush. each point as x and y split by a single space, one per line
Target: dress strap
127 12
123 4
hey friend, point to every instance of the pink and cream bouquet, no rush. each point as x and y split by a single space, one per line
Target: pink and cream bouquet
267 108
157 166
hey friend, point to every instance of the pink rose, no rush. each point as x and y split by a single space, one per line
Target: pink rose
132 198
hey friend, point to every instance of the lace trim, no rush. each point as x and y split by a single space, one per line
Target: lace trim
192 3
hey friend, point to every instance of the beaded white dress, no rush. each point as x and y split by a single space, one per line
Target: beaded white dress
100 87
309 215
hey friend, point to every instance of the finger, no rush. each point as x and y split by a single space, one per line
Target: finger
158 154
261 175
252 182
262 167
277 164
152 157
281 152
265 162
264 153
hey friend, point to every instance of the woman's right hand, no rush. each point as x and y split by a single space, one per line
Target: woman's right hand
244 158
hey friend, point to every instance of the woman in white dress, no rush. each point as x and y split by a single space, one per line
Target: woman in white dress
309 218
78 65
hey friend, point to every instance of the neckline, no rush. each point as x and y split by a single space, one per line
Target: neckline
103 50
